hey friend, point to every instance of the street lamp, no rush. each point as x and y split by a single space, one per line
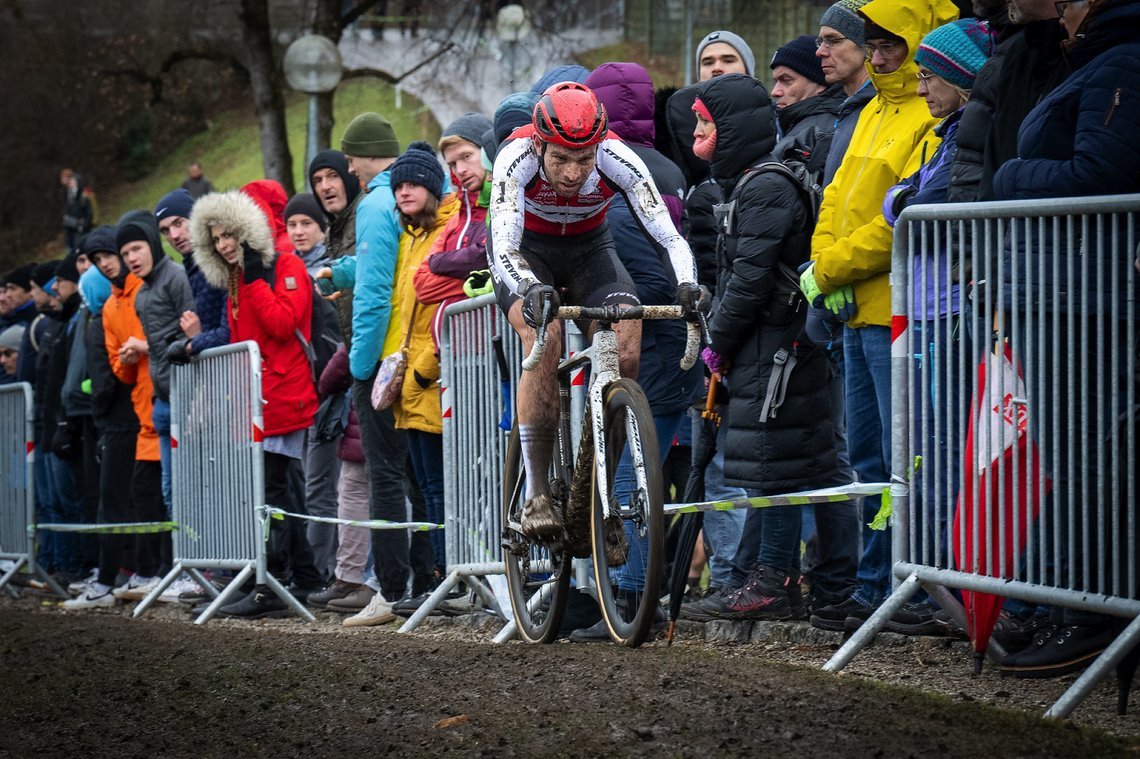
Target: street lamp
312 65
511 26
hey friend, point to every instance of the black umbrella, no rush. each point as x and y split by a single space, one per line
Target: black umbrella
704 448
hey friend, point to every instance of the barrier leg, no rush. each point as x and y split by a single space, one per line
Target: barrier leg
16 567
51 583
288 598
994 651
159 589
434 600
225 596
200 578
869 629
508 632
489 599
1104 664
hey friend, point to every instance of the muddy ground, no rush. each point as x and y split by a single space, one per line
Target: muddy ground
100 684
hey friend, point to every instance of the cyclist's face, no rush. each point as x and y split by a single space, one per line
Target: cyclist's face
566 169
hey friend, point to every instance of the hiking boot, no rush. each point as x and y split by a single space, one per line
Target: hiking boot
1015 633
764 595
262 603
377 612
915 619
835 617
541 521
1058 650
353 602
336 589
712 607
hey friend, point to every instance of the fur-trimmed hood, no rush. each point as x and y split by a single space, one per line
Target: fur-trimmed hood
237 213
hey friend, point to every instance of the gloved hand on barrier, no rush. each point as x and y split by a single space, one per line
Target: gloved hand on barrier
895 201
178 352
479 283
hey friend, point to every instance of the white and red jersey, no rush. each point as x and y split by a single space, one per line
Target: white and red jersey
522 198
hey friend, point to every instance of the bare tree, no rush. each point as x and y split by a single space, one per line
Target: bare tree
268 96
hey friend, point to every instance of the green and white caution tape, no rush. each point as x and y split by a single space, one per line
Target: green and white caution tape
371 524
823 495
886 507
121 528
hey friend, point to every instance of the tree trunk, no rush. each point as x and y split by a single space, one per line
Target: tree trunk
268 97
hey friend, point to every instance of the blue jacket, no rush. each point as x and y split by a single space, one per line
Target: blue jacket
844 127
210 305
371 273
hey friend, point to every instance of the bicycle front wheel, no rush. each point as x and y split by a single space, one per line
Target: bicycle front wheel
538 579
628 537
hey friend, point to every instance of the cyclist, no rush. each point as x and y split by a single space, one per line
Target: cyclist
551 185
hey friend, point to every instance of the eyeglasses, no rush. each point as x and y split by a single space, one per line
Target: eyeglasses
886 49
7 353
925 77
829 42
1061 5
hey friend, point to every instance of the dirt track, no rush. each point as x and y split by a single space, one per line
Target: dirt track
102 685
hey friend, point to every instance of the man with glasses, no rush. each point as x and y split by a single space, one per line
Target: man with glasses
851 253
1027 65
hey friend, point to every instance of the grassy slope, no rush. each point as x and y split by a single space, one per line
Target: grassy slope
230 153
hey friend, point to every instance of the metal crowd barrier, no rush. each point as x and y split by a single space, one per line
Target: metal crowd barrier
218 475
17 486
1024 487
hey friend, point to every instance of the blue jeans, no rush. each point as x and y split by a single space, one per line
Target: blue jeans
631 576
722 528
57 501
426 451
160 417
867 375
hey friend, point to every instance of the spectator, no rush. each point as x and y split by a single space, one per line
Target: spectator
77 210
204 326
723 52
18 288
844 61
569 72
1025 67
195 183
270 300
271 198
418 183
338 192
10 352
797 76
128 354
851 250
1078 141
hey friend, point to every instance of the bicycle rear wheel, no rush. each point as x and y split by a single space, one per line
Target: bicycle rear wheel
629 546
538 578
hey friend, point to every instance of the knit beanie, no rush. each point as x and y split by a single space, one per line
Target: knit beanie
305 204
99 240
736 42
469 126
490 149
44 273
956 51
515 110
843 18
174 203
370 135
335 160
130 232
418 165
21 276
68 268
10 338
799 55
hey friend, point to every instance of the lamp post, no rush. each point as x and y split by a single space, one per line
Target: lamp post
511 26
312 65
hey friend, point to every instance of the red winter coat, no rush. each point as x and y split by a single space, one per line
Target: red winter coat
271 197
269 315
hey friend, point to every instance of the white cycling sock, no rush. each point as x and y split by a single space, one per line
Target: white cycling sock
537 447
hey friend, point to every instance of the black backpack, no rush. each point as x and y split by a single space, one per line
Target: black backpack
325 331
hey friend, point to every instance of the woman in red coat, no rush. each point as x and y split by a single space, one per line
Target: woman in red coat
271 303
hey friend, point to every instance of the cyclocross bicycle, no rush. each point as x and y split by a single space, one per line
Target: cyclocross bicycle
611 492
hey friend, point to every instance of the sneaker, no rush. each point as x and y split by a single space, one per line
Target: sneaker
377 612
835 617
712 607
336 589
136 588
81 585
91 598
262 603
1058 650
541 520
915 619
353 602
409 605
175 590
764 595
468 603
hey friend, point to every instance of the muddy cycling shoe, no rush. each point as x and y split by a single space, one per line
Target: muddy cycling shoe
541 521
617 545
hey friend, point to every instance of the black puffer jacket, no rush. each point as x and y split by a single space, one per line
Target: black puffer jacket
810 119
759 304
1025 67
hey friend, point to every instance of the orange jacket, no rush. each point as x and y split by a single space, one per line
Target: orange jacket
119 323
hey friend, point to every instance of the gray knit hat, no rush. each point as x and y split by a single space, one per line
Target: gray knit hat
370 135
844 18
469 126
736 42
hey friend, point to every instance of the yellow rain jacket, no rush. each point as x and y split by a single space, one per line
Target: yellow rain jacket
892 139
418 407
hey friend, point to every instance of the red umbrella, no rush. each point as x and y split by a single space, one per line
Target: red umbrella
998 450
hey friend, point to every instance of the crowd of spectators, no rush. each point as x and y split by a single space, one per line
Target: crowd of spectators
893 103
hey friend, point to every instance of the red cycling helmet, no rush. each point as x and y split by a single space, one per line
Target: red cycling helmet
569 114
